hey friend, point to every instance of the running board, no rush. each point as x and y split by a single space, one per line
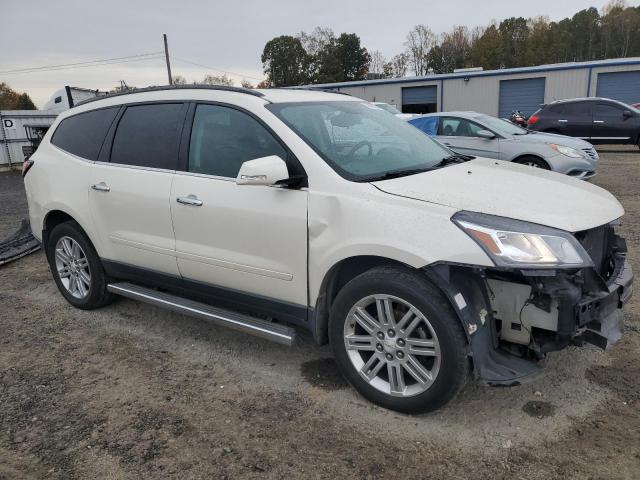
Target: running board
225 318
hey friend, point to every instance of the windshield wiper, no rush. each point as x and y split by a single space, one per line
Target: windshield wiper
455 158
398 173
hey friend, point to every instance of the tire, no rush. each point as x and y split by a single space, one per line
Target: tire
532 161
71 258
435 323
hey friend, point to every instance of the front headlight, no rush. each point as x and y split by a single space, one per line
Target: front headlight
568 151
514 243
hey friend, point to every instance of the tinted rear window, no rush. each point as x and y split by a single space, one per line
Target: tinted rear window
577 109
147 136
83 134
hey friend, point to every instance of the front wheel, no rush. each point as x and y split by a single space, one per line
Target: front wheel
397 340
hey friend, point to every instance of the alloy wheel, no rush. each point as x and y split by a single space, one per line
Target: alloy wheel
72 266
392 345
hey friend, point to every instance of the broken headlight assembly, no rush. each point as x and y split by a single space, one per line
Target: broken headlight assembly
515 243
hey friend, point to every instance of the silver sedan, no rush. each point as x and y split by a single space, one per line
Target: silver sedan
481 135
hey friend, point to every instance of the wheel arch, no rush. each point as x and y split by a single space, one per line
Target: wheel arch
522 156
55 217
337 277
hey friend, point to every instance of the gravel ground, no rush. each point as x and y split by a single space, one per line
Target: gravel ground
133 391
13 203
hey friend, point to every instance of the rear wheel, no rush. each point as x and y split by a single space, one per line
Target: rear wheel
532 161
76 267
397 340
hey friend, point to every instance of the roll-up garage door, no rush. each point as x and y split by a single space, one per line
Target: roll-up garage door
420 99
525 95
623 86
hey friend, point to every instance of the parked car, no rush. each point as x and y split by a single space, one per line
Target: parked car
481 135
393 110
599 120
265 210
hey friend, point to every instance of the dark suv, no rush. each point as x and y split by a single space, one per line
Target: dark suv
598 120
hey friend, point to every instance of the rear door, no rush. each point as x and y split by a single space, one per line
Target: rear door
576 118
610 125
131 184
460 135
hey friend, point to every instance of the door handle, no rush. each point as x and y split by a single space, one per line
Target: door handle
100 187
563 121
598 121
190 200
447 144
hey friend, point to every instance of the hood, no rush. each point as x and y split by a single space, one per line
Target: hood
542 137
511 190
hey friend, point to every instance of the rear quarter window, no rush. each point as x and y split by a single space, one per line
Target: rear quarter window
84 133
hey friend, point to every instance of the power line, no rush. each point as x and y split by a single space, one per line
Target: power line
89 63
216 69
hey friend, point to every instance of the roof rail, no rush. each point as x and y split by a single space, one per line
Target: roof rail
319 89
227 88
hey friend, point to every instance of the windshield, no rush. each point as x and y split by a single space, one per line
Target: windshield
501 126
359 140
388 108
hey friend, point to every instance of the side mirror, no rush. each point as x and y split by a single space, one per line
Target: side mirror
627 114
263 171
485 134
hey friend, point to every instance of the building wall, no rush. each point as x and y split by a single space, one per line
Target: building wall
482 93
13 135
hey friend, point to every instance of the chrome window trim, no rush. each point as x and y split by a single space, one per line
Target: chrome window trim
135 167
205 175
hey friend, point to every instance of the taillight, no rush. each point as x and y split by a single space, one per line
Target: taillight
534 119
26 166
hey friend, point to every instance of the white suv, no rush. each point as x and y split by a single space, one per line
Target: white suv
265 210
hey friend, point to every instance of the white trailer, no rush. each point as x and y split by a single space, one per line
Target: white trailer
20 129
17 128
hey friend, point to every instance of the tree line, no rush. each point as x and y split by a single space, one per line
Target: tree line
323 57
12 100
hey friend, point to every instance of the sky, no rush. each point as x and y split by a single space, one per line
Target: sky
218 35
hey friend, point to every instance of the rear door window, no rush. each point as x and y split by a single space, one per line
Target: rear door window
577 109
148 136
84 133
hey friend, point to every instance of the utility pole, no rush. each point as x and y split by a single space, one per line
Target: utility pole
166 55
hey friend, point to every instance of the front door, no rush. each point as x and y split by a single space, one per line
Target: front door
129 196
246 238
459 134
610 125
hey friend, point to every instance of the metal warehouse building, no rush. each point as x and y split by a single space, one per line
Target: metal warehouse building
499 92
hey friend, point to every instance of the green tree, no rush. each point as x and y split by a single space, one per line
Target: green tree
353 58
486 52
24 103
285 61
12 100
585 34
514 34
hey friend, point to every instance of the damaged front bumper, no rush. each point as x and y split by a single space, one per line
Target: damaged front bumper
513 318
